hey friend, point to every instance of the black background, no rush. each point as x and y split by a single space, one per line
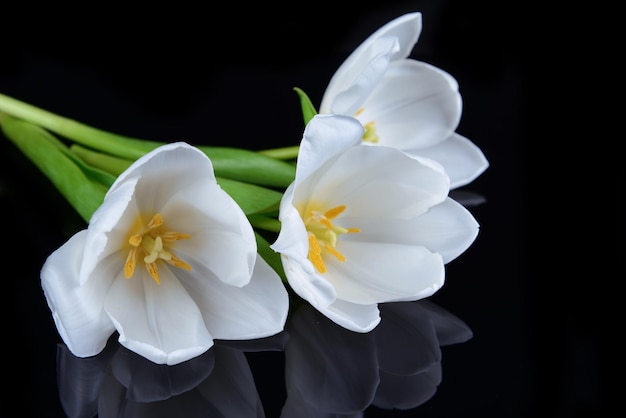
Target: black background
224 77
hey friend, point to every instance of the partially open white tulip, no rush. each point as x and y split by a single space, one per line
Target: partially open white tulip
402 102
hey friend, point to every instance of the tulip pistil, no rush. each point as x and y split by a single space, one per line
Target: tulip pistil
153 243
323 235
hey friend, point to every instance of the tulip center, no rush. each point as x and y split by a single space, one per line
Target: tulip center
369 135
152 244
323 235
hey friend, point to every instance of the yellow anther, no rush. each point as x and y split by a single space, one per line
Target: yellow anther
135 240
334 212
326 222
177 262
174 236
129 266
152 244
156 221
154 272
315 253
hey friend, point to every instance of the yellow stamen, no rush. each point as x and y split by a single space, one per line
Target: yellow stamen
153 243
323 235
334 212
177 262
315 253
154 272
129 266
336 253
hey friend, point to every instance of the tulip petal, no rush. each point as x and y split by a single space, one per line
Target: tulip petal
407 28
108 228
158 321
292 241
308 284
256 310
382 272
359 80
325 137
462 160
222 239
391 42
77 310
415 105
448 229
352 316
388 184
165 170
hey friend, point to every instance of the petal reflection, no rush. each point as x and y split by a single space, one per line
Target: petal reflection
120 383
327 367
334 372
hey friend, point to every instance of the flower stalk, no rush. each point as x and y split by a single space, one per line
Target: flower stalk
233 163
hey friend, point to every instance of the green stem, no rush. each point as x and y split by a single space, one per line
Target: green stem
118 145
285 153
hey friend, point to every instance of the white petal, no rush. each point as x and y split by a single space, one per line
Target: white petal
292 239
393 41
383 272
77 310
256 310
462 160
447 228
377 182
325 137
406 28
308 283
108 228
222 239
345 95
415 105
357 318
292 243
165 170
158 321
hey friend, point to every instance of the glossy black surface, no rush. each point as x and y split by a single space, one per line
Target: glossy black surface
511 345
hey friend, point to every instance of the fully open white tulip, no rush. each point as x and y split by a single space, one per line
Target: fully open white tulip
365 225
169 260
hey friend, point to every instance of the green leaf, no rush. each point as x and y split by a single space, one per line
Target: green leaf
108 163
308 110
249 166
250 197
55 162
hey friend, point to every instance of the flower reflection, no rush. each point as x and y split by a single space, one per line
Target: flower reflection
120 383
332 372
329 370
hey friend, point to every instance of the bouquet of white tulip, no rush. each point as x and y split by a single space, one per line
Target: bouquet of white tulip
176 251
